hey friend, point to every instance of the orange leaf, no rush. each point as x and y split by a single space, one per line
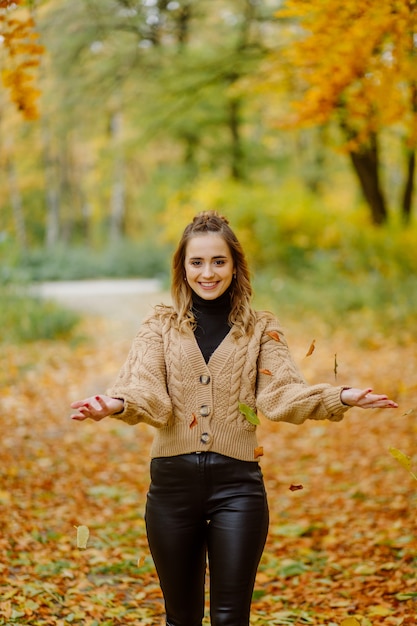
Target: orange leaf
193 420
295 487
311 348
267 372
274 335
259 451
6 609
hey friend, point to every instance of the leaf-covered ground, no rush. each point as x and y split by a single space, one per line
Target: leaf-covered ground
344 545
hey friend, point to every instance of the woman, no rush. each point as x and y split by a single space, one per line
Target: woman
198 371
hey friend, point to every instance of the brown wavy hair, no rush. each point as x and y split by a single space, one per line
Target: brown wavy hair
241 316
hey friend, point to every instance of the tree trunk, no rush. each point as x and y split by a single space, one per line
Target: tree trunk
16 203
365 163
183 24
118 204
407 199
191 142
237 155
51 192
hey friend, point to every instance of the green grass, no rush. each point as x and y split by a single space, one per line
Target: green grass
127 259
370 304
24 318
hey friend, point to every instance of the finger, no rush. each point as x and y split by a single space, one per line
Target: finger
382 403
101 402
389 403
381 399
88 407
78 418
372 398
76 405
364 393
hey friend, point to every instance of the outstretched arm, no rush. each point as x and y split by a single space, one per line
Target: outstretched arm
96 408
365 399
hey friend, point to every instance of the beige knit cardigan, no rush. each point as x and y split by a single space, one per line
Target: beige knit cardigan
194 406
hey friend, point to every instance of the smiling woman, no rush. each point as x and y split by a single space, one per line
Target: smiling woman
209 267
199 371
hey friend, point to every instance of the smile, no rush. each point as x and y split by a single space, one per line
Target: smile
208 285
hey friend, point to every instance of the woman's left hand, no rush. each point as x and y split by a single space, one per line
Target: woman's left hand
365 399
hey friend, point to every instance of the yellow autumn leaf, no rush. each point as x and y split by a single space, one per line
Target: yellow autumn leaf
402 458
350 621
83 534
5 496
379 610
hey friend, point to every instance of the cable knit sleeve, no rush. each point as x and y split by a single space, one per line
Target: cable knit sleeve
282 392
141 382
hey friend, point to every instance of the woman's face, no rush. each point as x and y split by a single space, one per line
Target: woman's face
208 265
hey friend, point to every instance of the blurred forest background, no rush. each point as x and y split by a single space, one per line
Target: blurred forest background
119 119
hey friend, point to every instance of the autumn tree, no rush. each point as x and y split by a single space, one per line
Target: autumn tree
21 55
355 62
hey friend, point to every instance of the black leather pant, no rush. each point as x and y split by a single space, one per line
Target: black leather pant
206 504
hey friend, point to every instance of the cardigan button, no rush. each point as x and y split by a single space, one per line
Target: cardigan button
204 379
204 410
205 438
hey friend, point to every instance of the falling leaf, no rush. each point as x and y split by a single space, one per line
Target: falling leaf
193 421
249 414
295 487
259 451
83 534
141 560
274 335
402 458
311 348
408 412
335 366
267 372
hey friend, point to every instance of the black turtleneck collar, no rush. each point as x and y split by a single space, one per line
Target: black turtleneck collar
218 305
212 318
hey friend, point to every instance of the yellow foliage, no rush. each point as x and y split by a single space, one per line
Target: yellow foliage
23 55
352 58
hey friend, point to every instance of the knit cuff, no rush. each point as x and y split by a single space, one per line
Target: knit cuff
334 405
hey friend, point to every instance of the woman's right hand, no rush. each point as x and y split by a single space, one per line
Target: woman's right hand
96 408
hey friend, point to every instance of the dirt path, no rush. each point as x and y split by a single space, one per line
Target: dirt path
123 303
